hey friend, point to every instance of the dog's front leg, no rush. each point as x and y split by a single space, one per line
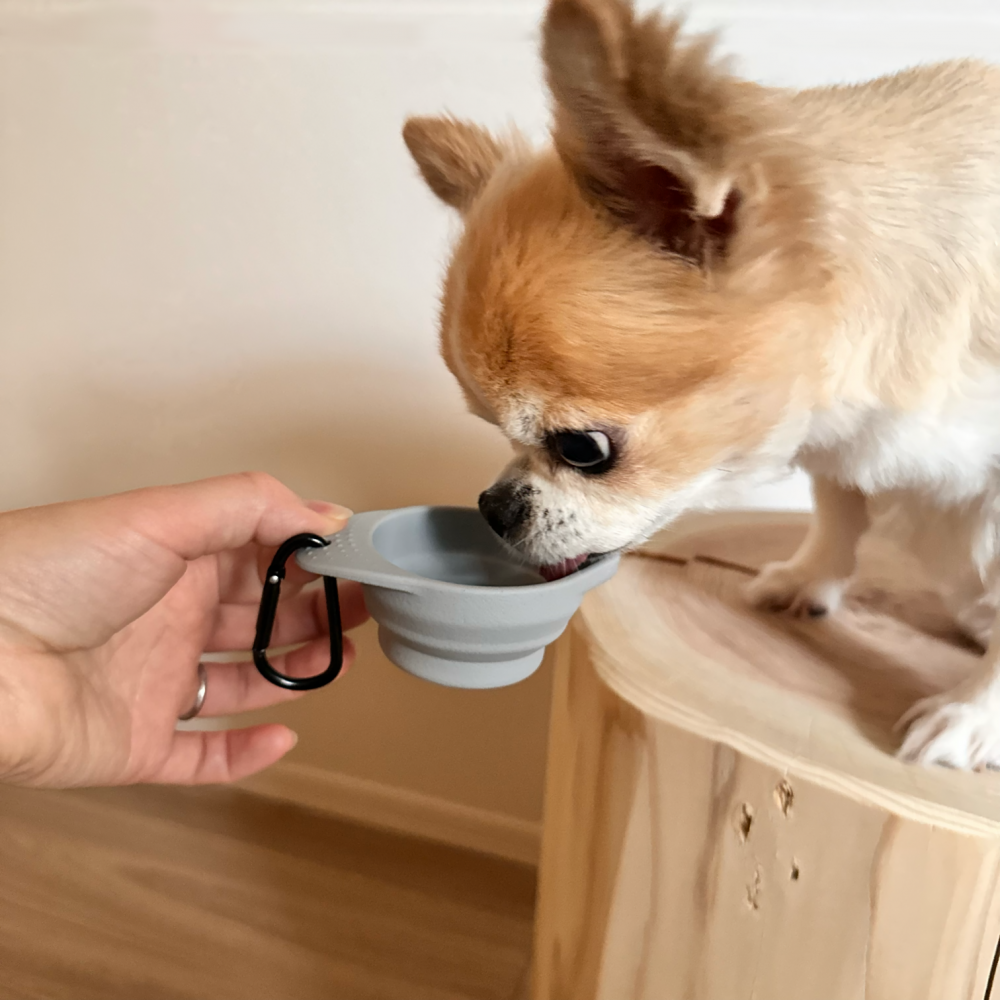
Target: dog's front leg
961 727
814 579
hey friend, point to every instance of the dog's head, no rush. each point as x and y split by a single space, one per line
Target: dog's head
632 307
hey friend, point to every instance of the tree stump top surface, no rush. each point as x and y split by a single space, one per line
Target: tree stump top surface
672 635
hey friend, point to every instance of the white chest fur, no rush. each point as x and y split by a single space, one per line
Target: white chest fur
950 451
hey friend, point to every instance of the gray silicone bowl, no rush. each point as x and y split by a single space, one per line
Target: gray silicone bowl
451 604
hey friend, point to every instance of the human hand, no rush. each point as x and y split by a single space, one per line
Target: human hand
106 607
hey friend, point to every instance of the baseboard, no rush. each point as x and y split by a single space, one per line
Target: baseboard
401 810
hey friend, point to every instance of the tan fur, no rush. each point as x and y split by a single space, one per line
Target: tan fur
456 158
733 279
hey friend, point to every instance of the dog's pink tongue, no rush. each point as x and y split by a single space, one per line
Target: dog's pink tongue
558 570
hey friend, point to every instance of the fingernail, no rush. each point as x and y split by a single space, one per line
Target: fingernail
295 739
333 512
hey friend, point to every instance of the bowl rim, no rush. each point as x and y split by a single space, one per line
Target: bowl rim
367 566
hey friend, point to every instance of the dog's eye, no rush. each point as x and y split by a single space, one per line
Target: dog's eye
589 451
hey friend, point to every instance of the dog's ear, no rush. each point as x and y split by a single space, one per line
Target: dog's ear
456 158
649 123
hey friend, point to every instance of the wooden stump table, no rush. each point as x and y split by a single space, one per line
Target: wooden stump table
725 818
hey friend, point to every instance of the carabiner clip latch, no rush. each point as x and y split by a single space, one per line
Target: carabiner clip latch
269 607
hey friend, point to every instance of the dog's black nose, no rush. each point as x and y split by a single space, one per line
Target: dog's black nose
506 506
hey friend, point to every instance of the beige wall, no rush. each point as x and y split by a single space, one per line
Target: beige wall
215 255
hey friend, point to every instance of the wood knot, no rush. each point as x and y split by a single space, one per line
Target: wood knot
784 795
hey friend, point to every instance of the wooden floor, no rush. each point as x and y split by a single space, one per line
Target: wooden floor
211 894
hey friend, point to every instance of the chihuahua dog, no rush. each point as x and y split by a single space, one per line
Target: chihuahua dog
702 280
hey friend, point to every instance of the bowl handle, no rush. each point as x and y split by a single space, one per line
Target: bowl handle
269 606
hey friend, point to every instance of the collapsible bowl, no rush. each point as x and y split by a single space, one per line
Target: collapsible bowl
452 604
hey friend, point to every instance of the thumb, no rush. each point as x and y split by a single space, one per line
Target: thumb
215 515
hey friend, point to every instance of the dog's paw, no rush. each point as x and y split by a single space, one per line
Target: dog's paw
964 734
795 589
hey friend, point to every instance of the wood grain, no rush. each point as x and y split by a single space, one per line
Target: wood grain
724 816
147 893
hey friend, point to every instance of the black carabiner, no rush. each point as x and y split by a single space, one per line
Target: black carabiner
269 606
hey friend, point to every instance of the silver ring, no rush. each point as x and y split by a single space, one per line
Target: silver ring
199 698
